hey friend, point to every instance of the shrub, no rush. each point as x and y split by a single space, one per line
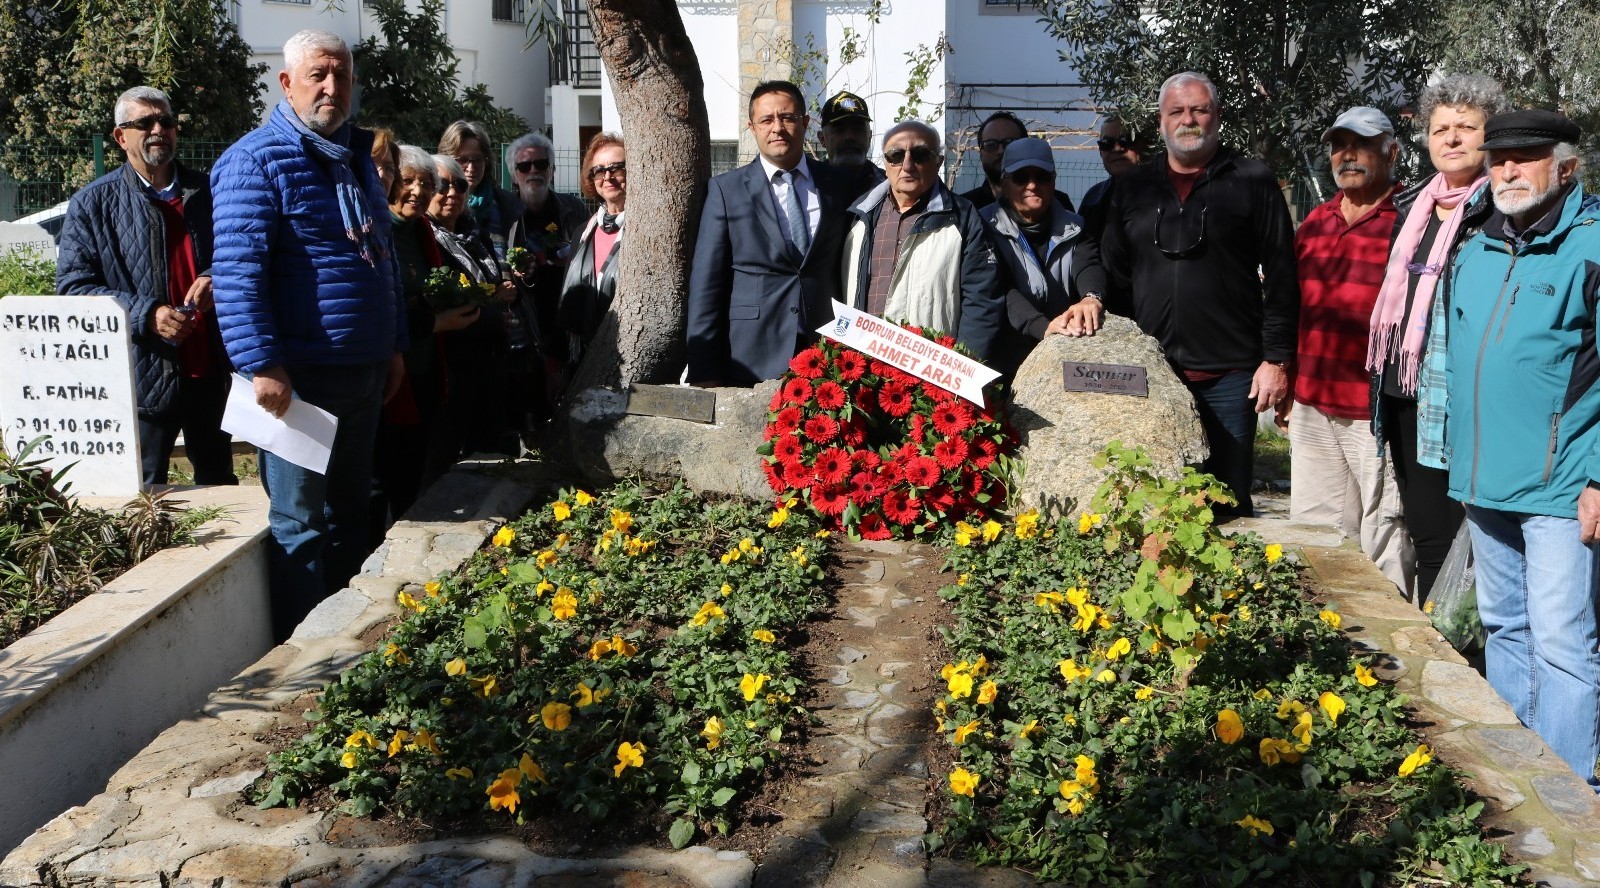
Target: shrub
25 270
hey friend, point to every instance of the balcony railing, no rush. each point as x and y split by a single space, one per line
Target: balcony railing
577 62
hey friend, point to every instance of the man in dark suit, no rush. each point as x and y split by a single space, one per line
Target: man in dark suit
766 264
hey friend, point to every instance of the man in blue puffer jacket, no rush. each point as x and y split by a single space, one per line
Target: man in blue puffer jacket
142 233
1522 430
308 298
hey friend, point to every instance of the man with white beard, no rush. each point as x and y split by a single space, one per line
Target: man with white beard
1200 248
1523 428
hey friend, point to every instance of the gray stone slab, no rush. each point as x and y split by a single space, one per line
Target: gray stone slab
1516 749
848 655
870 571
332 616
793 862
1461 690
1586 859
226 785
1533 843
879 817
1570 798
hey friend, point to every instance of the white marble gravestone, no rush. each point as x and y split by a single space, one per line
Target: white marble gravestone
66 373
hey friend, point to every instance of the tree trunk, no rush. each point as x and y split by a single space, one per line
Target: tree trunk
655 77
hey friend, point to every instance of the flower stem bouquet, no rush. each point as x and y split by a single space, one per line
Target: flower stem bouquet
445 288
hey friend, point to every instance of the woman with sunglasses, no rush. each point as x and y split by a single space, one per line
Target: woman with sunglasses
477 416
1050 268
591 278
407 456
493 208
1435 219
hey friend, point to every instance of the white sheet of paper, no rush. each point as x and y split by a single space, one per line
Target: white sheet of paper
303 435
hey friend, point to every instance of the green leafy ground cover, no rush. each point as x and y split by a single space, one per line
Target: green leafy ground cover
54 550
1137 699
607 656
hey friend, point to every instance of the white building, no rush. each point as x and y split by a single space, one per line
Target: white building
488 36
986 55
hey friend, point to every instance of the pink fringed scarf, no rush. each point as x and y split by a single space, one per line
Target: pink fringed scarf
1390 308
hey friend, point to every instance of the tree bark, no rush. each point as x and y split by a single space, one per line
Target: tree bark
660 96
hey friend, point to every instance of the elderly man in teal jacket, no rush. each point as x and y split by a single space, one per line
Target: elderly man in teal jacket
1523 426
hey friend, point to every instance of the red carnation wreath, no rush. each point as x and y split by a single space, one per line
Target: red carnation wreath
879 453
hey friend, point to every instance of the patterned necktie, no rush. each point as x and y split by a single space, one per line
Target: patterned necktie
799 231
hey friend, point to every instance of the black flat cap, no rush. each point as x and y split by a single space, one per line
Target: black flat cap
1526 129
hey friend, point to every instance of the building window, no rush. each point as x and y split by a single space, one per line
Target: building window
724 156
514 11
298 2
1006 7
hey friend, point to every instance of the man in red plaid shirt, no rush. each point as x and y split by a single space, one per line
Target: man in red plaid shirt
1341 251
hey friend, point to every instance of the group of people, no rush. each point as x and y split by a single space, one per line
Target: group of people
1431 349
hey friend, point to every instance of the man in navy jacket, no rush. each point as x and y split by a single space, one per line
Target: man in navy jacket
142 233
308 296
766 263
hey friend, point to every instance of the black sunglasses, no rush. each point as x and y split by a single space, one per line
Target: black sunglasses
620 168
920 155
997 144
1192 249
527 166
1030 176
1120 142
149 121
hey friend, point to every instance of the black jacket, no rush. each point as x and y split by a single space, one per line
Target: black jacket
1223 295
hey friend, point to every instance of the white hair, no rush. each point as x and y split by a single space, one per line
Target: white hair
920 127
310 41
449 164
529 140
1184 78
1566 151
414 159
139 95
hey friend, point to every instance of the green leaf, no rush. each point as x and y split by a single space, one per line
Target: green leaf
682 833
723 796
775 734
691 773
473 635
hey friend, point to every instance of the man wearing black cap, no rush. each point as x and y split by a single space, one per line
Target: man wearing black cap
1522 431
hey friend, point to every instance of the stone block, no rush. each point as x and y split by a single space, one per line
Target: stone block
870 571
880 817
1586 859
1461 690
1569 797
1533 843
900 851
1062 430
793 862
333 615
240 866
230 785
1516 749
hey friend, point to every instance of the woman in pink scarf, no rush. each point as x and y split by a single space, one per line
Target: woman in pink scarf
1436 217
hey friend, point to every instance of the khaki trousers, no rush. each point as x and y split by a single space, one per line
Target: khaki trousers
1337 478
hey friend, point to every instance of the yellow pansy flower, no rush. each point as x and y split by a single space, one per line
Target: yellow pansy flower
1274 552
459 773
1030 729
1072 672
1050 601
582 498
1256 825
1421 756
965 731
564 605
1230 728
621 521
543 587
1028 524
488 686
1273 750
708 612
1263 694
503 791
1302 731
987 693
751 685
409 603
1106 676
1144 693
1332 618
779 516
960 685
432 588
456 668
965 533
393 654
398 742
629 755
545 558
764 635
349 759
504 536
964 782
556 716
561 510
531 770
599 649
991 530
1119 649
712 732
426 739
361 738
623 647
725 591
1290 707
1332 705
1089 521
1364 676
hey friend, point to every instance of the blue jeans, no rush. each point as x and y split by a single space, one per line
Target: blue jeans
1536 595
1229 418
319 522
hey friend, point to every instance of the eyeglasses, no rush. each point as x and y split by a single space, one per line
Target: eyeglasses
149 121
448 185
1122 143
416 182
920 155
994 145
527 166
1190 250
1029 176
788 120
617 170
467 160
1418 268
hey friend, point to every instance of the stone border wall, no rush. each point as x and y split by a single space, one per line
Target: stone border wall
83 693
1550 818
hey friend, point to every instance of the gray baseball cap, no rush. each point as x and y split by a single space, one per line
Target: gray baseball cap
1361 120
1030 152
